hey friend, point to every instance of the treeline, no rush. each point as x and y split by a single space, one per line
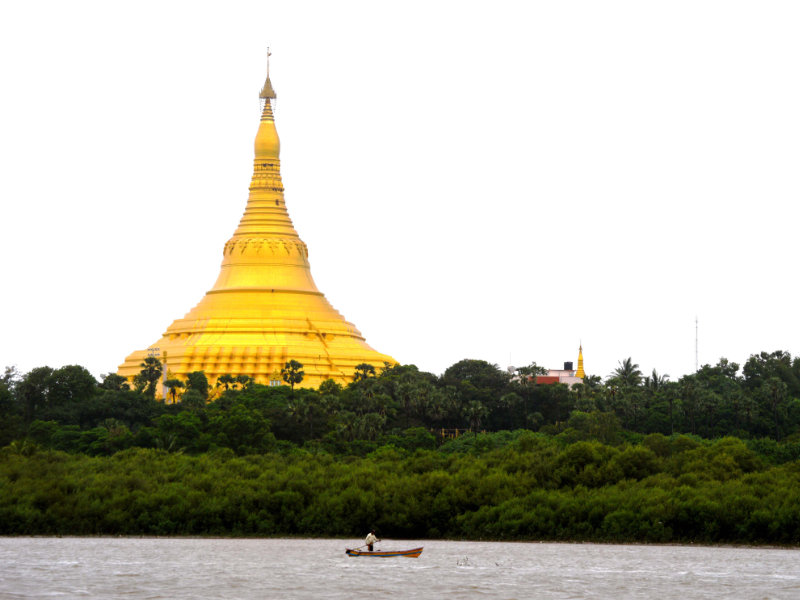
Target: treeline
66 409
510 485
477 453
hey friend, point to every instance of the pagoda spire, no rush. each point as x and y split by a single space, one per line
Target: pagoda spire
267 92
264 308
580 372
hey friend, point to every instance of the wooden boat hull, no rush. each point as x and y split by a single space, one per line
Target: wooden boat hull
413 553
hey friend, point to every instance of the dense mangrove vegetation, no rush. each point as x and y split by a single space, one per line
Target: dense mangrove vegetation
519 485
477 453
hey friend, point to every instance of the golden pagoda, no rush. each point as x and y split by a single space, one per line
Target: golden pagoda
264 309
580 372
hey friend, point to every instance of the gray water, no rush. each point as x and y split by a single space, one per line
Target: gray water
176 569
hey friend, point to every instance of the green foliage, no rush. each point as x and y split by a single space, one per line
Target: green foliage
293 373
471 395
197 381
512 485
70 384
226 380
173 385
627 374
193 400
244 381
114 382
147 379
32 391
363 371
408 452
761 367
601 426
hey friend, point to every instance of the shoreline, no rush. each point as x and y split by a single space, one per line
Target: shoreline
459 540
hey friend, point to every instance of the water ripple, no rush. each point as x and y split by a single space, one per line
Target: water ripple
182 569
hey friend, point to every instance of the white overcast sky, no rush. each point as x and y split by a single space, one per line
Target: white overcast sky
492 180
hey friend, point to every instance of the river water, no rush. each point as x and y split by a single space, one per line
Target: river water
184 568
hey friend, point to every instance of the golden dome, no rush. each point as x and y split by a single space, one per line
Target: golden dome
264 308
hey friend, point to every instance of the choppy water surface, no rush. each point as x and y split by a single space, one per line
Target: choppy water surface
177 569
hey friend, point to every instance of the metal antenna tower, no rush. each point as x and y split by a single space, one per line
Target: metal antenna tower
696 365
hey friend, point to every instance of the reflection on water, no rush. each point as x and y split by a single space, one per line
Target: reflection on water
153 568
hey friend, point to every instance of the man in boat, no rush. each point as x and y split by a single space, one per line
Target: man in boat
371 539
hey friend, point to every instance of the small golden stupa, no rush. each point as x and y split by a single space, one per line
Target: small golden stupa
264 310
580 372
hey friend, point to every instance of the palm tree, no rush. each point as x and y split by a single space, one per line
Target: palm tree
475 412
227 380
775 391
421 400
709 402
689 399
297 409
627 374
405 389
149 375
293 373
328 401
655 381
173 385
371 424
362 371
670 392
453 405
438 409
511 402
244 381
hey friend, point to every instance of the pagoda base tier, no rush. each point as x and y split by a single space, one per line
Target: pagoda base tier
333 358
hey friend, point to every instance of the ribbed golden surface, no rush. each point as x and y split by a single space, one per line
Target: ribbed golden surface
264 308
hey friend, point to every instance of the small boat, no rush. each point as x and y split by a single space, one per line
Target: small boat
413 553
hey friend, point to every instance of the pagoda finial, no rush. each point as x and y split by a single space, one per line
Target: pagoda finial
267 91
580 372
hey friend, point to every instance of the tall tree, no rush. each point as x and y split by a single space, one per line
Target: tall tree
192 400
114 382
197 380
147 379
32 391
293 373
244 381
775 391
510 403
173 385
10 377
760 367
689 393
655 382
404 390
475 413
627 374
527 375
670 392
363 371
227 380
297 409
71 383
479 373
